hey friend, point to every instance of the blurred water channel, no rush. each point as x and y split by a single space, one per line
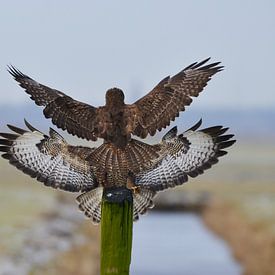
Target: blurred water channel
179 244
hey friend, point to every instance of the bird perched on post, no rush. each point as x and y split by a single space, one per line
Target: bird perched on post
121 160
51 160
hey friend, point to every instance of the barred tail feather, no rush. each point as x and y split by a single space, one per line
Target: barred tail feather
116 162
90 203
142 201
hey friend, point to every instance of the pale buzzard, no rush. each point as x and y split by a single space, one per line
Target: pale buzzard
145 168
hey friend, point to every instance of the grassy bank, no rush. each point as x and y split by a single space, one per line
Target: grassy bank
81 260
252 243
22 202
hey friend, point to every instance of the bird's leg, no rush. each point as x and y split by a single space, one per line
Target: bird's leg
130 184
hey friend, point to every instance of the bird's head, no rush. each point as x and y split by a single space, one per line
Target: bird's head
114 97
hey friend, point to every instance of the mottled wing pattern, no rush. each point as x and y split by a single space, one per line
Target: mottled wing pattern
187 154
49 159
76 117
90 203
162 105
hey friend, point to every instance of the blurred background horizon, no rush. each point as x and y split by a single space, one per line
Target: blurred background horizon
84 48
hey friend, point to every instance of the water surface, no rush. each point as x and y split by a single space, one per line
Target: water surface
179 244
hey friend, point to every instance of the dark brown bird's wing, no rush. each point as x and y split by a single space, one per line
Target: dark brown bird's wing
66 113
49 159
187 154
158 108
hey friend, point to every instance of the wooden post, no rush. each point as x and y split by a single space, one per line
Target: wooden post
116 231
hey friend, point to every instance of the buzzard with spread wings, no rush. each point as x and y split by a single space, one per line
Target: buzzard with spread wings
51 160
116 121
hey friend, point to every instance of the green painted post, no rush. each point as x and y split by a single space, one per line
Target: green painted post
116 231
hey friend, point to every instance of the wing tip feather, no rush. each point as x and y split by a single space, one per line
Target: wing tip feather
196 126
15 72
16 129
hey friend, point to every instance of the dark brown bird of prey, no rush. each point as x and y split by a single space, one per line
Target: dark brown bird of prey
121 160
116 121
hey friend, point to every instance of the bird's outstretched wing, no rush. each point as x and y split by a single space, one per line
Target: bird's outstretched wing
187 154
158 108
49 159
76 117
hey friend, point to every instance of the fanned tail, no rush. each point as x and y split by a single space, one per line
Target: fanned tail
114 164
143 200
90 203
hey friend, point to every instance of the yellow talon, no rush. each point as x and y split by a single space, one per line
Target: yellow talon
135 189
131 185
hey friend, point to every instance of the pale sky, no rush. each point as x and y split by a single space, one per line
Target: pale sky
85 47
